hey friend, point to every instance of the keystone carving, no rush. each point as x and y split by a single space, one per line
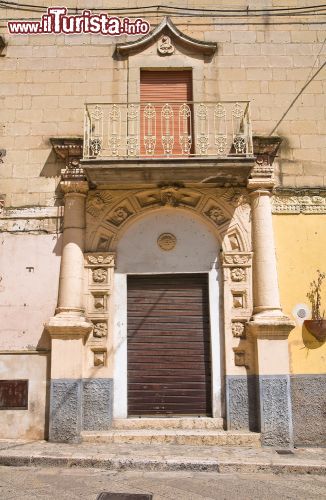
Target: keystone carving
170 196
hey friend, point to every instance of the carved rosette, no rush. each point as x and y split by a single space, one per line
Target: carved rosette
238 329
99 269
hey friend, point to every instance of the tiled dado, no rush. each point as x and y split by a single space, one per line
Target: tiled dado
99 269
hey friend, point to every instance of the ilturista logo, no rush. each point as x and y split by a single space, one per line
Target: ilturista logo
57 20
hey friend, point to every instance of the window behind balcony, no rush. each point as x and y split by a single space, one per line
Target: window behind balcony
166 114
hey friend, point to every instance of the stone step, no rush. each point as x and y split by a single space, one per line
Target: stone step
190 437
168 423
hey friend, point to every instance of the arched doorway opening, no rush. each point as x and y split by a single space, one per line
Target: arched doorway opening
170 255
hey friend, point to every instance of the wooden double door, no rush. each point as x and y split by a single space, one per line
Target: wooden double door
169 360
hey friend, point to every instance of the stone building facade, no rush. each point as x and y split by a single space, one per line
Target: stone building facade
95 195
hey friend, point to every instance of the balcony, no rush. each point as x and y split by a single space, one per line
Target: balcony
175 138
167 130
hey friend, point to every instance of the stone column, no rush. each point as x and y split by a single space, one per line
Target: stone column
69 328
269 326
265 284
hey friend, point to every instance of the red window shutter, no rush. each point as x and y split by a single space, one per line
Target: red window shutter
160 88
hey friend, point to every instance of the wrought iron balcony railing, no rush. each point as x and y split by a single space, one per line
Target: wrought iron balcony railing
167 130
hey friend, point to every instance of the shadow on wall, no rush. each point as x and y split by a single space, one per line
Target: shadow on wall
52 169
309 340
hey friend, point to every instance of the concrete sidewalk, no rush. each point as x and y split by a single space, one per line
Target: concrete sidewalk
165 457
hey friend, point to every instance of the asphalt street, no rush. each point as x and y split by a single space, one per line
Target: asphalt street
32 483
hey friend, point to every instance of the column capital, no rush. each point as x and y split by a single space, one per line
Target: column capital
260 183
74 187
259 191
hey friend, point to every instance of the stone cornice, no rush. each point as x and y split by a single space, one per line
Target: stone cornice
70 151
32 220
166 27
67 148
265 151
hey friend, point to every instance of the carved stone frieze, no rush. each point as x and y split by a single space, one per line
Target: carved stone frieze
101 259
172 195
299 201
237 259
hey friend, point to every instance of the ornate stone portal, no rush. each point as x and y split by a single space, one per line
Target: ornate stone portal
253 324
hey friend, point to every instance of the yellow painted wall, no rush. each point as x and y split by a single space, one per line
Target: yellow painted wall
300 250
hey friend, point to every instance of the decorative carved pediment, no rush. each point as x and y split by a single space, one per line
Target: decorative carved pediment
168 29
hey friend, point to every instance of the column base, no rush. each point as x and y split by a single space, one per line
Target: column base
65 324
68 332
270 324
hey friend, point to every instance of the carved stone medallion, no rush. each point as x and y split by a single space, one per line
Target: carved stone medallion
166 241
165 46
